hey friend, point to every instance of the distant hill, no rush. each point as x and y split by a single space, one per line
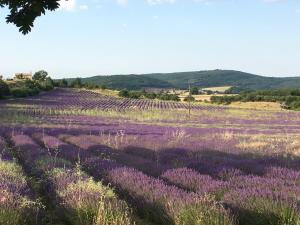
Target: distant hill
202 79
131 82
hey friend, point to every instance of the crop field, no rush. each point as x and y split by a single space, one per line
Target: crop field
75 157
64 99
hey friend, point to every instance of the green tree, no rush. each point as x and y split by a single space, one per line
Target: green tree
4 89
189 98
63 83
103 87
124 93
24 12
31 84
150 95
47 85
209 92
77 83
40 75
194 91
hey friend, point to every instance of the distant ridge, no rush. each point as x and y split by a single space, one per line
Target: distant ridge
202 79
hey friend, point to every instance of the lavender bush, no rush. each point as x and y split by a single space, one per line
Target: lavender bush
244 160
165 204
17 202
259 200
76 193
192 180
257 207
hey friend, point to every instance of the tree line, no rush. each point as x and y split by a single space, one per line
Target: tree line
149 95
289 97
24 88
77 83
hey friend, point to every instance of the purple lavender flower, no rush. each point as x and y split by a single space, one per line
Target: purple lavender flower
192 180
152 195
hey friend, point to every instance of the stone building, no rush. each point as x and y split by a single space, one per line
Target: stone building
23 76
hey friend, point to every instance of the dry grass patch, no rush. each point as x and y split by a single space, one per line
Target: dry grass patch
108 92
268 106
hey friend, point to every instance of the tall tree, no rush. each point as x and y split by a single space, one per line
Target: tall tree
24 12
40 75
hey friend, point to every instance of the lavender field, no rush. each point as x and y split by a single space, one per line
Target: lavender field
76 157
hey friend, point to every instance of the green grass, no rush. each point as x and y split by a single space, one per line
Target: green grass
87 202
11 216
210 215
266 212
14 208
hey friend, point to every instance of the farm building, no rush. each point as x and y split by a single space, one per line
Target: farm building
23 76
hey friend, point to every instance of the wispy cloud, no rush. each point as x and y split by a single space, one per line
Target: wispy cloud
157 2
83 7
161 2
273 1
122 2
68 5
71 6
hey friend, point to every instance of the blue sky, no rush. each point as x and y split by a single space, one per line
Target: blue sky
93 37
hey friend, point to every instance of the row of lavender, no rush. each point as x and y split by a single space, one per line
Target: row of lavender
215 163
152 197
61 99
276 192
260 188
76 198
271 199
256 200
178 147
258 191
18 203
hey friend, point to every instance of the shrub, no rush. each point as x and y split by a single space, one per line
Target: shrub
289 98
20 92
103 87
63 83
150 95
31 84
138 94
4 89
189 99
47 85
294 105
77 83
194 91
91 86
135 94
168 97
124 93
